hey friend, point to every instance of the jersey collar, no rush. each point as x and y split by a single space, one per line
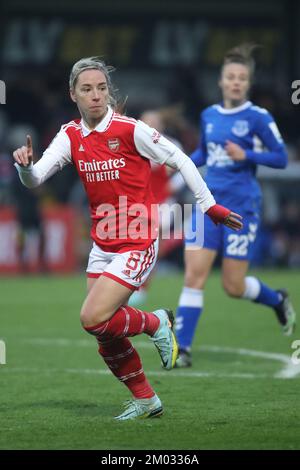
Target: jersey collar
102 126
222 110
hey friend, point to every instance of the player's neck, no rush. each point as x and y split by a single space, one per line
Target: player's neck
90 123
230 104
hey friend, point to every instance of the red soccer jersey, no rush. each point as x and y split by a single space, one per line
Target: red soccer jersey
113 162
160 183
110 167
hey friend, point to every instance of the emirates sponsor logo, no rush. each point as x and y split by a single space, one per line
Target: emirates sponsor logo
101 165
101 170
113 144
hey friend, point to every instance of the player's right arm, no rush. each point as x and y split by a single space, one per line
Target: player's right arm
150 144
55 157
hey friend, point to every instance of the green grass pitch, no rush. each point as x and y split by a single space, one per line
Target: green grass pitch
56 393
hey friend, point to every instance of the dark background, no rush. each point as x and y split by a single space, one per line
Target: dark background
167 54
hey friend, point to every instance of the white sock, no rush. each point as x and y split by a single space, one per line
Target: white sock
252 288
191 297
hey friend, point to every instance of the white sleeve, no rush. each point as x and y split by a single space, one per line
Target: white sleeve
152 145
176 182
55 157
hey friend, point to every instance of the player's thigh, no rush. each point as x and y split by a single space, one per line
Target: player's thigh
103 294
233 276
90 282
124 273
104 297
198 264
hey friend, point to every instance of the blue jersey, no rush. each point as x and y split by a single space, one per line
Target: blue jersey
234 184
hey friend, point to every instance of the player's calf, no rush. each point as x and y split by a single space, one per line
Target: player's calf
234 288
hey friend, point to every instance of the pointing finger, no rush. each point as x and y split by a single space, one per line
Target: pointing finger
29 144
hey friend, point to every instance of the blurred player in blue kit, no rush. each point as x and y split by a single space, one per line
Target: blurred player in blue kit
236 136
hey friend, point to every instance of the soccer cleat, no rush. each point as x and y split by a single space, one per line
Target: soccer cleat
141 409
285 313
184 359
164 338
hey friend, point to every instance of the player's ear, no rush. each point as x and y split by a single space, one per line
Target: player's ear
72 95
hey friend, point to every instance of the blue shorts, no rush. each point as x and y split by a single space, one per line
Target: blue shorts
230 244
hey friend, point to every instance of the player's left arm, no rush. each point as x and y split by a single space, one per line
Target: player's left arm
267 131
162 151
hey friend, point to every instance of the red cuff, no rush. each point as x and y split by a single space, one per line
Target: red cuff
218 213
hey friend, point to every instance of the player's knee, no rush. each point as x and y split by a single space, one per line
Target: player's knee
91 316
194 279
233 288
86 319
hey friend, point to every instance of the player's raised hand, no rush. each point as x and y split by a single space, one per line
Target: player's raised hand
221 215
24 155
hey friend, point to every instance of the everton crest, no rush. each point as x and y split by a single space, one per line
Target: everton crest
240 128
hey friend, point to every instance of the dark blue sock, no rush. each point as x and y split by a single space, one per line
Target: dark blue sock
268 296
186 324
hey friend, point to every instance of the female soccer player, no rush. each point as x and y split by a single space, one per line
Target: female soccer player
112 156
236 136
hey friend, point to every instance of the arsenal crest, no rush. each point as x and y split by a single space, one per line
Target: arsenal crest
113 144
